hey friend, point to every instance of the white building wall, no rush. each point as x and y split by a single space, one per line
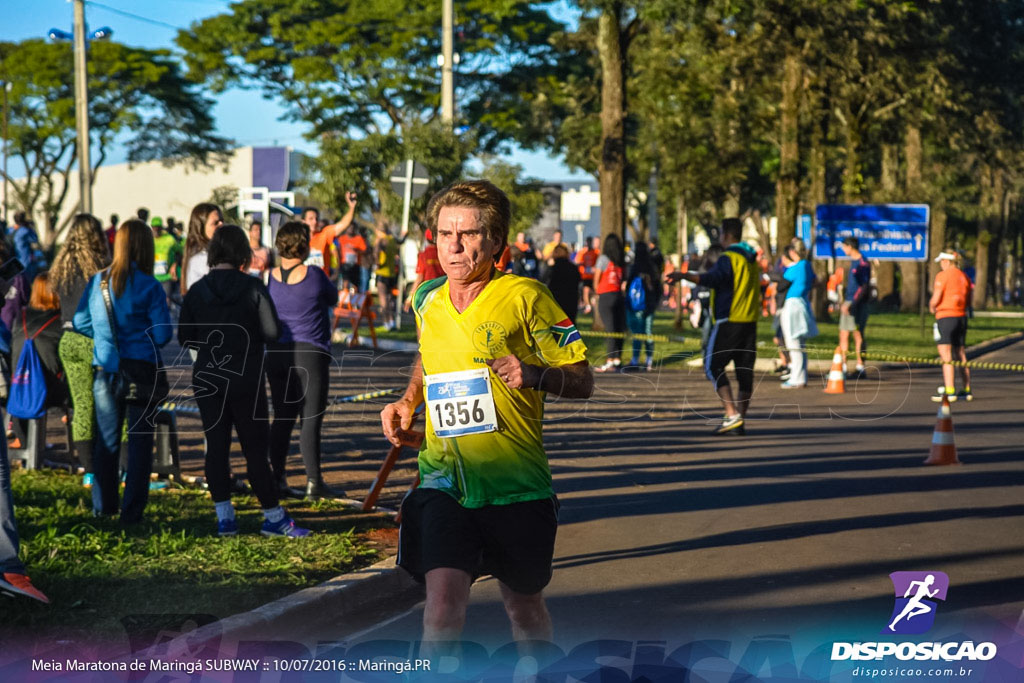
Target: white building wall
164 190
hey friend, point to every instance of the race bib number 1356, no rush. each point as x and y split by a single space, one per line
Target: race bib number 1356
461 403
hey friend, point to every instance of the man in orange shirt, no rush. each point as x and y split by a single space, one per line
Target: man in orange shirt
951 296
351 246
586 259
322 252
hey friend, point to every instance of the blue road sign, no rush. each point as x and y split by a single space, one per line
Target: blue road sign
888 232
803 228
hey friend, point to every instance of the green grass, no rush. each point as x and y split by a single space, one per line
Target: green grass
899 333
95 572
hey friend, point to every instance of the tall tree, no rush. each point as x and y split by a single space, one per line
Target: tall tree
137 97
364 77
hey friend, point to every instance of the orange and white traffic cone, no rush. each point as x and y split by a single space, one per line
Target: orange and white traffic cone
836 379
943 447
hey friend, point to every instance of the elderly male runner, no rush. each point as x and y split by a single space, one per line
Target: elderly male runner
491 346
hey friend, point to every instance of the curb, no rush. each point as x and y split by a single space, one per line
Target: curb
340 598
995 344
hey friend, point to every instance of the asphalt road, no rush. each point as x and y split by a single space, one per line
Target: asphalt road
787 535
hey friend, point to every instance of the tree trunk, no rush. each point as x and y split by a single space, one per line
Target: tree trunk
889 172
731 203
991 208
682 228
885 273
981 268
682 246
914 156
938 238
1001 251
612 169
910 272
853 180
787 188
817 171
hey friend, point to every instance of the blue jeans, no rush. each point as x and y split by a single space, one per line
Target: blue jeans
9 562
110 415
641 323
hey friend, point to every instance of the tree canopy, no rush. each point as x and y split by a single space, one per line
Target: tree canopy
138 97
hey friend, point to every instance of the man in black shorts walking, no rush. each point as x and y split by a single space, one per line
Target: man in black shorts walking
492 346
735 282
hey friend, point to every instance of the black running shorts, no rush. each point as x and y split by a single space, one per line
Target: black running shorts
953 331
734 342
515 543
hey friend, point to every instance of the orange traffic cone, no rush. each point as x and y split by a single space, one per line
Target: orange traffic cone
943 448
836 379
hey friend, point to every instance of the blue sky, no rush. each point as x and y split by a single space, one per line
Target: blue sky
241 115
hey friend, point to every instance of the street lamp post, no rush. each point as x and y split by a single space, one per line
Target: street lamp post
82 100
82 110
7 89
448 59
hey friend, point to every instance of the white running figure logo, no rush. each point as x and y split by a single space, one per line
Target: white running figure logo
915 607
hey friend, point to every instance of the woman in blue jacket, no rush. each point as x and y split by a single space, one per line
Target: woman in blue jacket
142 324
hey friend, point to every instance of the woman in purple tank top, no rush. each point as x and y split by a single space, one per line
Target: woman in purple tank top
298 365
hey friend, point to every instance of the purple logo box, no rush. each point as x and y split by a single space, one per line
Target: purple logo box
915 606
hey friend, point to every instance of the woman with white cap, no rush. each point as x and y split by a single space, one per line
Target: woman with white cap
951 297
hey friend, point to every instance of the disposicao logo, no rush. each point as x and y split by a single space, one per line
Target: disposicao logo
914 613
914 610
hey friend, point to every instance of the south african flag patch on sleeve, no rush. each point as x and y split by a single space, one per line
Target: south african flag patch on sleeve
565 333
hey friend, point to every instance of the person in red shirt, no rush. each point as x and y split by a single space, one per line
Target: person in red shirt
951 297
586 259
428 266
112 230
611 302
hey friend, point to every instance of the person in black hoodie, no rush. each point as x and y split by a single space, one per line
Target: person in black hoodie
563 279
227 317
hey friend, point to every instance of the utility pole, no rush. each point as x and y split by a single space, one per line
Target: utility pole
7 89
82 111
448 58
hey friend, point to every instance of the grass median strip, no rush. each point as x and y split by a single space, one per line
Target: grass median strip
893 333
97 573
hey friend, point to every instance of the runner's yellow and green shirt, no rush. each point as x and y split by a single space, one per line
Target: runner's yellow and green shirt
511 315
166 252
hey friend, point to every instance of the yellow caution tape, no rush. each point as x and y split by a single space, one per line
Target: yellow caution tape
642 337
367 396
981 365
